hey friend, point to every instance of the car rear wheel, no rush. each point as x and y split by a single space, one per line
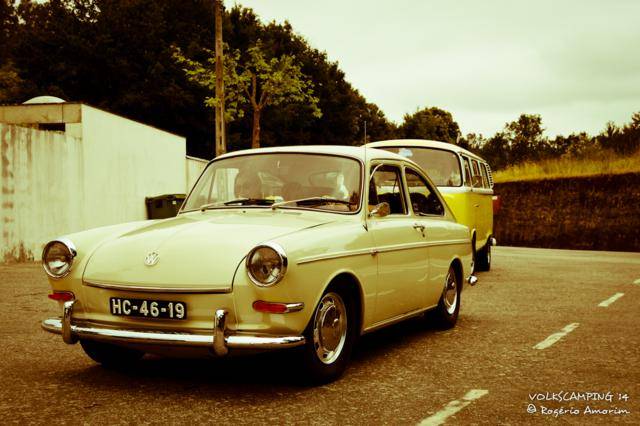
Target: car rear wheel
329 338
446 313
110 355
483 258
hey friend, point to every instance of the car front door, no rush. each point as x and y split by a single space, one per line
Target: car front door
399 246
430 212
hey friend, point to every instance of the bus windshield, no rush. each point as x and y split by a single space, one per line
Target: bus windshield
443 167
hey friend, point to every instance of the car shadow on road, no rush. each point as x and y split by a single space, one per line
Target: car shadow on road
263 371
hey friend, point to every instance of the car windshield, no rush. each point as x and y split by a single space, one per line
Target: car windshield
443 167
281 180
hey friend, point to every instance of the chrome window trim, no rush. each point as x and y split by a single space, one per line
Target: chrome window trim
380 163
283 259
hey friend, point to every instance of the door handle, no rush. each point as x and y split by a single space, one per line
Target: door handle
419 227
476 205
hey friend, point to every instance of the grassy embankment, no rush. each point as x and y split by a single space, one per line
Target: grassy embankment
604 163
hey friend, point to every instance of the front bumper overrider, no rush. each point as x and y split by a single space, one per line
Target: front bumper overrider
219 341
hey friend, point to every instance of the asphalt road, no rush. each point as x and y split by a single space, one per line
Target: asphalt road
503 359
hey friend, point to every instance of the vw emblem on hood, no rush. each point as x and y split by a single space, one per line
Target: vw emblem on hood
151 259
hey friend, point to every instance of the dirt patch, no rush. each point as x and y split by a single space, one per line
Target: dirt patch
591 213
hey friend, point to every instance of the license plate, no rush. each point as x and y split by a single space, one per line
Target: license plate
148 308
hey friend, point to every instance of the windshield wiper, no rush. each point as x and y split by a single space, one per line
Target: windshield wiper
249 201
312 201
241 201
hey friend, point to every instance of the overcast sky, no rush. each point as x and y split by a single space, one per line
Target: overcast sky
575 62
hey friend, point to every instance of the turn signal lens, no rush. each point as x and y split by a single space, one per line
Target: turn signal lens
270 307
62 296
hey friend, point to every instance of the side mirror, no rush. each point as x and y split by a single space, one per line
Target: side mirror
381 210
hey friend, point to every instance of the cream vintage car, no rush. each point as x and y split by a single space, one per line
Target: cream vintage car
305 247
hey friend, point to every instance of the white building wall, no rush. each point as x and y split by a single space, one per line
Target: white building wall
125 162
55 183
195 166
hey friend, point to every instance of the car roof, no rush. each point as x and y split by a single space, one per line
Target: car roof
357 152
424 143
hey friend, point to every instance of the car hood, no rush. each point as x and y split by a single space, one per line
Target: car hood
195 251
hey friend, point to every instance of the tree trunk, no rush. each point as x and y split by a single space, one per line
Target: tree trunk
255 135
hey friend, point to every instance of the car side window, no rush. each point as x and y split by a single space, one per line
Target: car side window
423 197
467 172
386 186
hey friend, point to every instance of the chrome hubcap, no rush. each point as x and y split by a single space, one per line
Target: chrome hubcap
450 294
330 328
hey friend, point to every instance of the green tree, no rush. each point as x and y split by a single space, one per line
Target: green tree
117 55
623 140
496 151
430 123
255 81
526 138
473 142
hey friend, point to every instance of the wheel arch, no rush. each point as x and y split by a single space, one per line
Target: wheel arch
348 281
458 268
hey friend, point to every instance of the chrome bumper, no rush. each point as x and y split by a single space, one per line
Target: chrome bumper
219 341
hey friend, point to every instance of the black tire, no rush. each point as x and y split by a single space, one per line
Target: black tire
483 258
445 315
335 306
109 355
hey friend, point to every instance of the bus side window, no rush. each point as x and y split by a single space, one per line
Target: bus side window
467 172
485 178
477 178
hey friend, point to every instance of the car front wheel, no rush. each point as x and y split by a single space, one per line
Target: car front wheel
110 355
329 338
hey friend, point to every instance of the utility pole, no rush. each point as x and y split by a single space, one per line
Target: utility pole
220 141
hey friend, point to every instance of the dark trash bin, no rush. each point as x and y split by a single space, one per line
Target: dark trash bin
164 206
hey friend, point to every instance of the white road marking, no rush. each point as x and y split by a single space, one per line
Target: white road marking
453 407
610 300
556 336
637 281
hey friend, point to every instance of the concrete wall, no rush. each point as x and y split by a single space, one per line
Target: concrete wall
96 173
41 176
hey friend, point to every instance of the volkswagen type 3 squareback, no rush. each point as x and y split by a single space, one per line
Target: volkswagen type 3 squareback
466 183
305 247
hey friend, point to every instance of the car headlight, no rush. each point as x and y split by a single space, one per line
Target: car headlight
266 264
57 258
